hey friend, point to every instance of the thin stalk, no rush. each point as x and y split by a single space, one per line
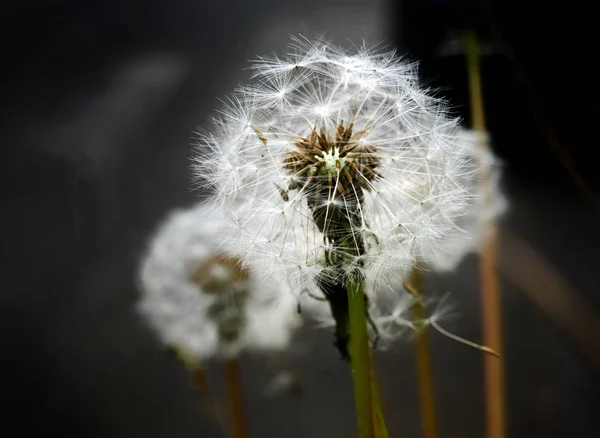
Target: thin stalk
235 398
199 379
199 382
379 425
360 361
424 367
195 368
490 297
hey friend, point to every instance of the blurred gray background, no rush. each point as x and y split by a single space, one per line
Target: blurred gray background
99 104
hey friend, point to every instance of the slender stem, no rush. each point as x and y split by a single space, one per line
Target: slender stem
490 297
199 379
236 398
424 367
199 382
492 336
474 77
194 367
359 354
379 425
209 404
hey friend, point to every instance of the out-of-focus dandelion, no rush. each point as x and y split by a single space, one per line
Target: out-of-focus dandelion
485 209
202 301
204 304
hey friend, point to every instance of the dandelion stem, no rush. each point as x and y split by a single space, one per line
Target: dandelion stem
360 360
379 425
424 368
210 405
199 379
490 297
236 398
199 382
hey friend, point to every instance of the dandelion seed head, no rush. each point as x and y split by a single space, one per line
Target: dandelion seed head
347 162
205 301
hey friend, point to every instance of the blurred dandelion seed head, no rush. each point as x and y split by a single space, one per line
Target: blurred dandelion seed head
203 301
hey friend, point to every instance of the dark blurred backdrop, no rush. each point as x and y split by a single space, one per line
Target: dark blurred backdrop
99 102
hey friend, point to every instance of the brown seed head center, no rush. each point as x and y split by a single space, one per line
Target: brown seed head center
341 162
220 274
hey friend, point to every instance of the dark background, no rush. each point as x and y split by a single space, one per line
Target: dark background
99 102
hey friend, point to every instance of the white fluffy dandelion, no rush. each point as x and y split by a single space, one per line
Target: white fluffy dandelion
202 301
336 165
328 133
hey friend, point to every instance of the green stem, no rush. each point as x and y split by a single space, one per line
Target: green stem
359 354
382 426
379 426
